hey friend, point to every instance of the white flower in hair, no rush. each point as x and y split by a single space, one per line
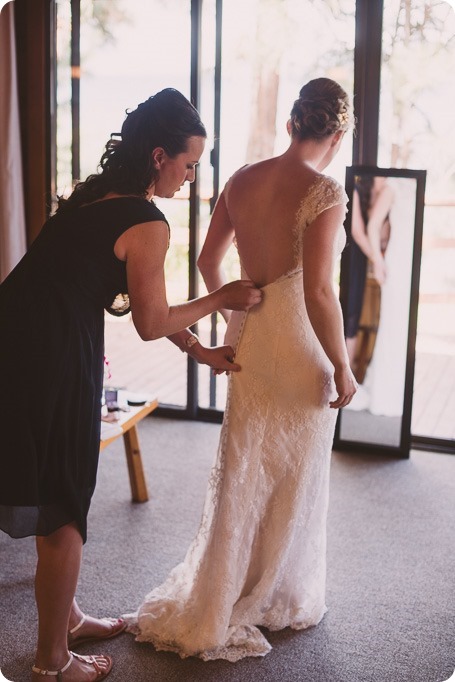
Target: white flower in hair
343 118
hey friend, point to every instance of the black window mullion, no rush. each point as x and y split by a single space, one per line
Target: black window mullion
75 88
193 288
52 98
215 154
367 80
215 161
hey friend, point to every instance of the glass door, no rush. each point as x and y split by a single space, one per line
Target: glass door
112 55
268 51
245 61
416 125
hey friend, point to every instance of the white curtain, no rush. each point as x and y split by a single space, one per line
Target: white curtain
12 214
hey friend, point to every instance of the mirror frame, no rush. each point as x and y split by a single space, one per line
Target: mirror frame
403 448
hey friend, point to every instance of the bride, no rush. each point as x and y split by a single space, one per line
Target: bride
259 558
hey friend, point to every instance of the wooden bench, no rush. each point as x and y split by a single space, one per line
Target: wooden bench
128 423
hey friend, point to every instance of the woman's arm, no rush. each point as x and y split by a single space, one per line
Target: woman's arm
358 231
219 358
144 247
219 238
378 215
324 310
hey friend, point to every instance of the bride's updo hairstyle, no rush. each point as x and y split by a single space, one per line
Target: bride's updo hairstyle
322 109
165 120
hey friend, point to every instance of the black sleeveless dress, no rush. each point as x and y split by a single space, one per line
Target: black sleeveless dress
51 363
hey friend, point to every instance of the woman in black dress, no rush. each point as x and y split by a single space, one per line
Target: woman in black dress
103 249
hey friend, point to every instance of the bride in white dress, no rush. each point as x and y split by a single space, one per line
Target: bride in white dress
259 557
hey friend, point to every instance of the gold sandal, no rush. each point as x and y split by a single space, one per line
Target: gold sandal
101 674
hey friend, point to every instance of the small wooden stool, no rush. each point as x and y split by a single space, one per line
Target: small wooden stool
128 424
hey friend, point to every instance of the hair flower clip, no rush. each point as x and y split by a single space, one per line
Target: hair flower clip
343 118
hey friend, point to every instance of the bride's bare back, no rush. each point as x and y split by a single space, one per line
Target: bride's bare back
262 201
287 216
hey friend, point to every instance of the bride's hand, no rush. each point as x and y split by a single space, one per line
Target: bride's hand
219 358
379 270
346 386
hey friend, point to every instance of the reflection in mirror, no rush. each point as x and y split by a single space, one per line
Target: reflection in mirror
377 274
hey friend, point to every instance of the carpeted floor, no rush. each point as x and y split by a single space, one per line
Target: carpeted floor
391 568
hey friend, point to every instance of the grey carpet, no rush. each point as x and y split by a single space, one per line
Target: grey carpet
391 563
364 427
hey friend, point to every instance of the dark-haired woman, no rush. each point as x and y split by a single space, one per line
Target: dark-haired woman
259 556
103 249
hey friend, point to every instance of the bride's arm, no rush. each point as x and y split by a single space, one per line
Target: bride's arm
378 215
358 230
144 249
218 240
324 310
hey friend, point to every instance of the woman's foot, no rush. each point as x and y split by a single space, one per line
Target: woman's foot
77 669
90 629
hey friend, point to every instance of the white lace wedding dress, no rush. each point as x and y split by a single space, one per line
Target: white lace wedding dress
259 558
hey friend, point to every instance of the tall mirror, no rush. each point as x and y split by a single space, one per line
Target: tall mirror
379 284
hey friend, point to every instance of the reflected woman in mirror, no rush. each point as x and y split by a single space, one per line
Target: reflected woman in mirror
390 231
105 245
259 558
363 293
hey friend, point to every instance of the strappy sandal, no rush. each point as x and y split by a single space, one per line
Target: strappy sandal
77 641
101 674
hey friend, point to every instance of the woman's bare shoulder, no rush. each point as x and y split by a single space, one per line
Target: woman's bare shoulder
254 178
251 171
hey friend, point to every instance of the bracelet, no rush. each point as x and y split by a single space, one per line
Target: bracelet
190 341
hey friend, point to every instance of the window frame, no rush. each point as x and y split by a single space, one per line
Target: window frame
367 84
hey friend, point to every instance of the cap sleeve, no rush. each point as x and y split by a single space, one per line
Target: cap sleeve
324 193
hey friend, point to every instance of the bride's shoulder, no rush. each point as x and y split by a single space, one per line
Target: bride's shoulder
326 184
251 171
248 178
325 191
232 179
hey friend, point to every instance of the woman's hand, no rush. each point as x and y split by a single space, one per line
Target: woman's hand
240 295
379 270
219 358
346 386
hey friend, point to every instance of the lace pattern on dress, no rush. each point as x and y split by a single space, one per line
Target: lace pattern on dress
324 193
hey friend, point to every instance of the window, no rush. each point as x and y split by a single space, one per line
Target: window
248 59
416 125
129 50
269 50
